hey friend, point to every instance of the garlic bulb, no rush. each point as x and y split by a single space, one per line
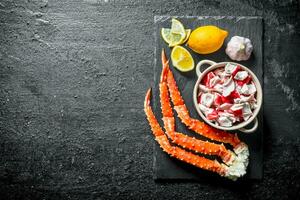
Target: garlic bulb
239 48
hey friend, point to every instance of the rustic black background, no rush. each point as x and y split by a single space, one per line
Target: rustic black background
73 79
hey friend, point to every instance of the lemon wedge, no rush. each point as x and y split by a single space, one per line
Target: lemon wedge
182 59
176 35
174 39
187 35
171 38
177 27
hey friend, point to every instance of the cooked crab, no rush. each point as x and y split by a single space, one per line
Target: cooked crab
234 163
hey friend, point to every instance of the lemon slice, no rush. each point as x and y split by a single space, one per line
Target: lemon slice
187 35
174 39
171 38
177 27
182 59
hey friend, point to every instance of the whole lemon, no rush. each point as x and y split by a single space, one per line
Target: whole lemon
207 39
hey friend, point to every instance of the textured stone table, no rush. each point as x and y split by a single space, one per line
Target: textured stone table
73 79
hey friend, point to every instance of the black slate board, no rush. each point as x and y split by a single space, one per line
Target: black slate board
166 168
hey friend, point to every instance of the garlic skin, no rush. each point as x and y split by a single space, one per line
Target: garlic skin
239 48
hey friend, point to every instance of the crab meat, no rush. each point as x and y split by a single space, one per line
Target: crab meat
224 121
245 81
227 99
207 78
219 72
217 99
207 99
225 106
205 109
238 88
235 94
228 87
214 81
248 89
241 75
247 112
225 114
244 99
218 88
237 69
213 115
225 92
203 88
237 110
231 69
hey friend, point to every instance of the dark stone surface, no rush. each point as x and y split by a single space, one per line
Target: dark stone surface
166 168
73 79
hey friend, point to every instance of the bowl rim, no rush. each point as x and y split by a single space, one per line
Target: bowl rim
259 96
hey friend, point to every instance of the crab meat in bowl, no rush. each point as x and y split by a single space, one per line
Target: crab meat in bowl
227 95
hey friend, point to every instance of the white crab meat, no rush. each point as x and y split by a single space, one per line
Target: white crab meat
213 81
203 88
205 109
228 87
218 88
217 99
248 89
239 165
207 99
233 119
219 72
242 152
244 99
238 88
225 114
230 68
247 112
237 110
230 116
224 121
236 107
241 75
225 106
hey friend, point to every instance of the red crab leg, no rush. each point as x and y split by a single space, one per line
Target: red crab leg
181 139
177 152
194 124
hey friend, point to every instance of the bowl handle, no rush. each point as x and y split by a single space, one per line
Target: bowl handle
202 62
251 130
